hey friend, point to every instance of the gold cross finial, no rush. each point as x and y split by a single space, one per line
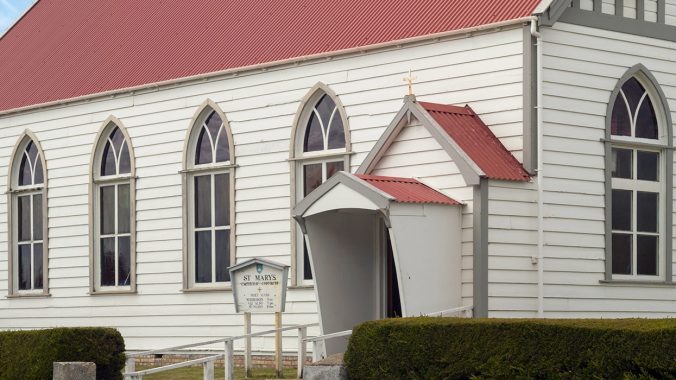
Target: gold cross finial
410 78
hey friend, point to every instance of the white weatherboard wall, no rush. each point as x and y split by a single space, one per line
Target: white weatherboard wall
670 12
484 71
581 67
512 243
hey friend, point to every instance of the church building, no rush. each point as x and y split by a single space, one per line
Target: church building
508 158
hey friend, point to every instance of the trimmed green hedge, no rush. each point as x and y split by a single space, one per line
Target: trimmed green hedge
29 355
455 348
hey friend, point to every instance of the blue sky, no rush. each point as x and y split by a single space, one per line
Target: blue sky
10 10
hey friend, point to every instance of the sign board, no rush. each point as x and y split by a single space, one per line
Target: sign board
259 286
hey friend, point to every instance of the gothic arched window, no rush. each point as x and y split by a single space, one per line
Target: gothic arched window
320 149
209 212
640 180
28 216
113 194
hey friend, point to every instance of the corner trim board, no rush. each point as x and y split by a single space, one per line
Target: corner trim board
480 249
530 79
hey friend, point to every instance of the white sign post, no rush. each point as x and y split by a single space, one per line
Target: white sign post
259 286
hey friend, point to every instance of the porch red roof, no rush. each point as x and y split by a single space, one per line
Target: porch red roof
407 190
63 49
477 141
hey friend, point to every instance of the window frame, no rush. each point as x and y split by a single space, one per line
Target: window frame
96 182
298 159
662 145
14 191
188 173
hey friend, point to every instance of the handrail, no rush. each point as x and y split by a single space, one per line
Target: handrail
173 366
208 362
220 340
329 336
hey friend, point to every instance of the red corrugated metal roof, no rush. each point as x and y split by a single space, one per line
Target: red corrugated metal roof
63 49
407 190
477 140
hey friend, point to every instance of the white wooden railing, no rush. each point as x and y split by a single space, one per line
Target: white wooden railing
318 349
207 362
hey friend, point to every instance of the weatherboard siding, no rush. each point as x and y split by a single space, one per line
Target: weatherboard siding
512 242
670 12
581 68
483 70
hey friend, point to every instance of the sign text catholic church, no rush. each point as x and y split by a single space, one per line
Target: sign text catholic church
259 286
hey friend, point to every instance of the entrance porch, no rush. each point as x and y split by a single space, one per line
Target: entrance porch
380 247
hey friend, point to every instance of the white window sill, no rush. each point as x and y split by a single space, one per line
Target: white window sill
223 288
103 292
29 295
644 283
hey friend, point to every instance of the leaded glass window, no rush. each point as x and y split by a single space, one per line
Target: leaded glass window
113 216
28 220
637 200
324 129
209 205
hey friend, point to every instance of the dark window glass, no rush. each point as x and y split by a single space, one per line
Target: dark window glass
125 161
214 124
314 137
621 210
204 150
32 151
312 177
622 254
325 107
123 211
107 210
222 255
336 132
222 147
633 91
24 266
37 217
647 211
203 256
622 163
37 266
620 122
333 168
117 138
646 120
39 175
25 172
108 262
648 164
24 215
108 164
307 268
203 201
646 255
123 260
222 199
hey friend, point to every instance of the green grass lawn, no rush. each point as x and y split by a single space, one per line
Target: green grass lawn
195 373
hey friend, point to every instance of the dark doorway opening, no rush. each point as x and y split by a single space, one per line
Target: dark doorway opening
392 290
